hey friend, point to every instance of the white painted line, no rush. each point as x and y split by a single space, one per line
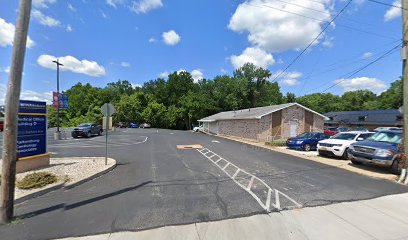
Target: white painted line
215 141
265 205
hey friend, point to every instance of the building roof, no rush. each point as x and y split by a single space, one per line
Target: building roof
390 117
253 113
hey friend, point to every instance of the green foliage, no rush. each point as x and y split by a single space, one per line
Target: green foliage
36 180
279 143
179 102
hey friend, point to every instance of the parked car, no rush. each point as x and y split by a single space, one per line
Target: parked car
133 125
359 129
1 126
334 130
338 144
306 141
145 125
198 129
122 125
380 149
87 130
387 128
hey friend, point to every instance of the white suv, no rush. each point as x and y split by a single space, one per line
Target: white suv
338 144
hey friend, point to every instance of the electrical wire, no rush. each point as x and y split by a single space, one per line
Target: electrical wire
313 41
387 4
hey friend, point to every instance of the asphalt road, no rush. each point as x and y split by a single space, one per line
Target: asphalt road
155 184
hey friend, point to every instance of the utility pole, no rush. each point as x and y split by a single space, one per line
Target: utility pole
404 6
10 155
58 135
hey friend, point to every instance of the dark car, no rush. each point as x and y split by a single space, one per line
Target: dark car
380 149
133 125
87 130
306 141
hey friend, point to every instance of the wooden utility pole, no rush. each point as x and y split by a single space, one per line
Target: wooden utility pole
404 54
8 175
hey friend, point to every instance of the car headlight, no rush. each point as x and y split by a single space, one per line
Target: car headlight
351 147
337 145
383 153
299 142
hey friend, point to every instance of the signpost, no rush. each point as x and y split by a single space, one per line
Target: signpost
63 100
107 110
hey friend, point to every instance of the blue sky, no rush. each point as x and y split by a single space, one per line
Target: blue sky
138 40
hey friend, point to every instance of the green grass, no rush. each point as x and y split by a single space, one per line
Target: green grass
36 180
277 143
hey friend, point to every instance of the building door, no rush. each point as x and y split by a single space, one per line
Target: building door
293 128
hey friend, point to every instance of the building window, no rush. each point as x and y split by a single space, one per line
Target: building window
399 118
331 118
362 118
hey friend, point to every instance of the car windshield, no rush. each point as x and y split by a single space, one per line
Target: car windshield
307 135
85 125
389 137
345 136
342 129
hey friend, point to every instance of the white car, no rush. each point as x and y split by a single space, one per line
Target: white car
197 129
338 144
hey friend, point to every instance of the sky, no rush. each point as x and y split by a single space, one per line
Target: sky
102 41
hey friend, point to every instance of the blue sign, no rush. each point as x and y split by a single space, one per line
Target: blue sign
32 128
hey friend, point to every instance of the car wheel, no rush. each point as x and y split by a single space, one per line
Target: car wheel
74 135
100 132
346 154
307 147
395 168
355 162
89 134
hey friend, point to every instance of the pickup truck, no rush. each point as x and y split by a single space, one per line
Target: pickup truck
380 149
87 130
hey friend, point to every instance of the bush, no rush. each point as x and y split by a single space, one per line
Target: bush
36 180
278 143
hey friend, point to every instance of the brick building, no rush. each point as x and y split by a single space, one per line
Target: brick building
265 123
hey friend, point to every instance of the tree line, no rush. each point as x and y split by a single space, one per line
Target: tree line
178 102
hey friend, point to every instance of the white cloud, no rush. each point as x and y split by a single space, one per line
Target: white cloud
69 28
328 42
290 82
5 70
393 12
152 40
44 20
288 78
143 6
27 95
103 14
256 56
125 64
197 75
164 75
72 8
171 38
367 55
276 31
90 68
43 3
223 71
362 83
136 85
7 35
114 3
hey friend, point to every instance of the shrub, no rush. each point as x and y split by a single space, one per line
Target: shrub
36 180
278 143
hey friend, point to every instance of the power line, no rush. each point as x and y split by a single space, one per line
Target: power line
387 4
311 43
351 74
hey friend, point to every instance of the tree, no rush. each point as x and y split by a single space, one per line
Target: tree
356 100
392 98
154 114
290 98
321 102
253 79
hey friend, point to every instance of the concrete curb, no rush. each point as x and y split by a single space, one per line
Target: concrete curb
63 185
72 185
39 193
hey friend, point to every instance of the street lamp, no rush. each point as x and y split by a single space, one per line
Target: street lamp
57 135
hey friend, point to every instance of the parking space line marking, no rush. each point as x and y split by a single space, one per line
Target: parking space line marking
265 205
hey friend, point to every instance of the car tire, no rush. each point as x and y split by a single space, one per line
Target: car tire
89 134
395 168
345 154
100 132
355 162
307 147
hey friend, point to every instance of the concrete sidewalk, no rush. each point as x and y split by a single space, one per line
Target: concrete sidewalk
381 218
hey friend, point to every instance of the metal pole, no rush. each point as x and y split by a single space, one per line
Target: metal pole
106 138
58 98
405 71
10 155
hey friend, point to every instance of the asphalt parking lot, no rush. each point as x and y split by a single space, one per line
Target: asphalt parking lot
155 184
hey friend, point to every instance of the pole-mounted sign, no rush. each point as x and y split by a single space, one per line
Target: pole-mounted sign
107 110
